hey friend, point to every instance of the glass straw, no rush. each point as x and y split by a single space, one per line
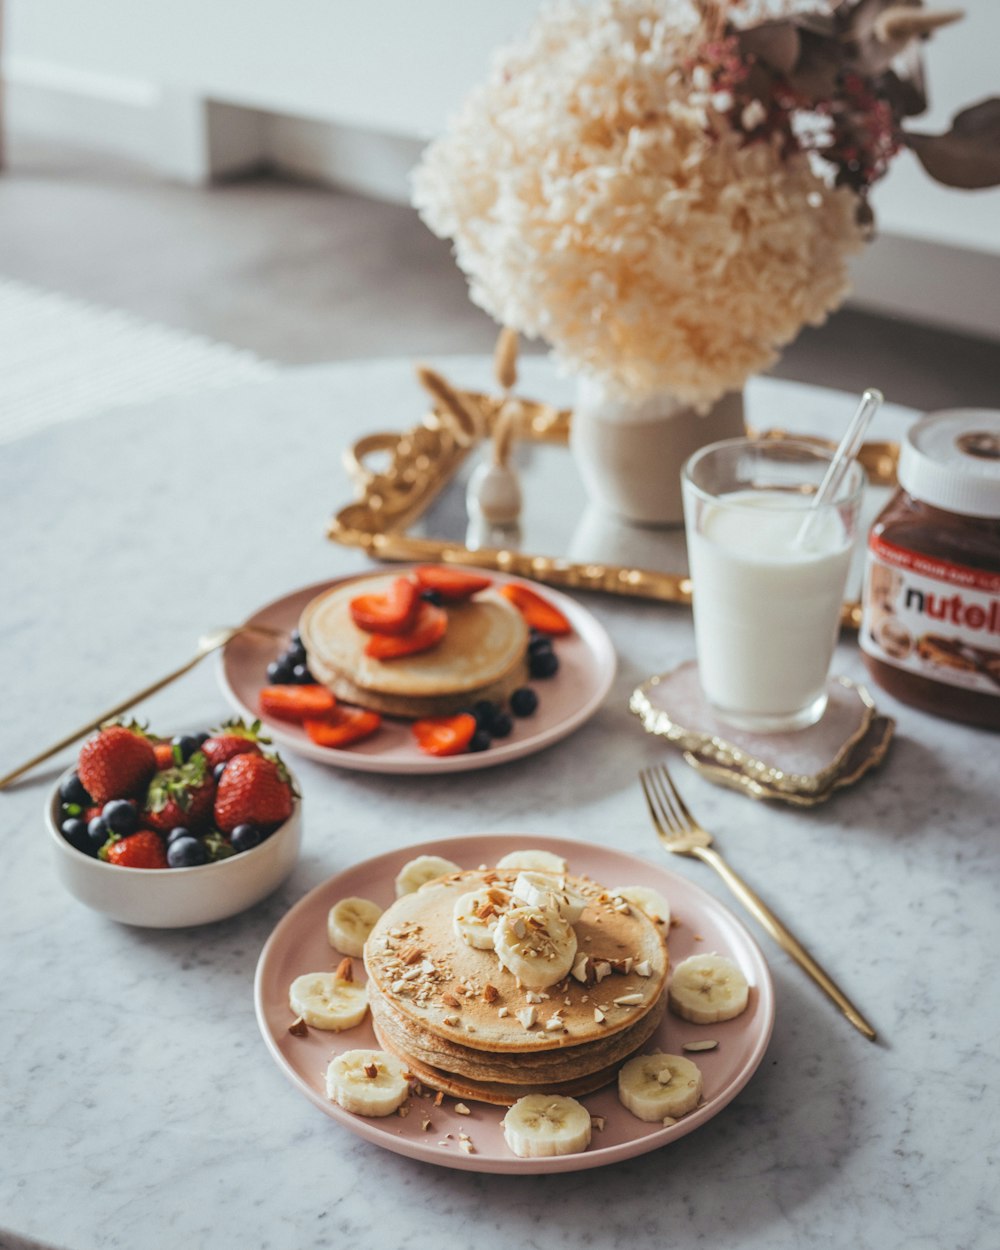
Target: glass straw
843 457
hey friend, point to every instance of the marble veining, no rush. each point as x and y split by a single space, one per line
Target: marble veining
140 1106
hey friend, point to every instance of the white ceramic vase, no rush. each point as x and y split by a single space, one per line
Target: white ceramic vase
629 453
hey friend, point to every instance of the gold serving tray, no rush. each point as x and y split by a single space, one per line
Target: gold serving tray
400 476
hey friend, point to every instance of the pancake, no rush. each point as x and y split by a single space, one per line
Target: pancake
429 984
500 1093
543 1070
482 655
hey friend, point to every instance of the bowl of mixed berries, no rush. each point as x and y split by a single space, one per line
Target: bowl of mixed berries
170 832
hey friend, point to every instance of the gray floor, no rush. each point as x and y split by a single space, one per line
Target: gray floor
301 274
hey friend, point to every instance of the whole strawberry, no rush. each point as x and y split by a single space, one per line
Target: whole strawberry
231 739
116 763
256 790
182 795
139 850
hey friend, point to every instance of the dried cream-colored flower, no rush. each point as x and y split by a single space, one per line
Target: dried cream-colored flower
599 202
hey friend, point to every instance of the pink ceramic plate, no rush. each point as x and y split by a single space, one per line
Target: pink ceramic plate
299 944
566 701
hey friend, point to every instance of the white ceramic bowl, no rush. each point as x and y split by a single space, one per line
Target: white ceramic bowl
174 898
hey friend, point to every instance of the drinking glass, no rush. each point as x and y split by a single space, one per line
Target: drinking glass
768 570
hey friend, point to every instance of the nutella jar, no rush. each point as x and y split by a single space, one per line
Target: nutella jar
930 627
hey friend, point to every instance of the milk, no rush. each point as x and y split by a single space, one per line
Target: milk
767 599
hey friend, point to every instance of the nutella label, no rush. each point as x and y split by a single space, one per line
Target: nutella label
928 616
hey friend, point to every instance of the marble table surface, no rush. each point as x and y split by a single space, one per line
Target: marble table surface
140 1106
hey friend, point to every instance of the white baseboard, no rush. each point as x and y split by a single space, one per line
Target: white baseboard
195 140
365 161
108 114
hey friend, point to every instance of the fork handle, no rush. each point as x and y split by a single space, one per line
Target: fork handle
96 723
786 940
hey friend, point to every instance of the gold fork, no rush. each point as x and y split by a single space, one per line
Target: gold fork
207 643
681 834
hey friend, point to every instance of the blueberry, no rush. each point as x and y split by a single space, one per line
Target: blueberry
188 744
543 643
296 654
433 596
75 832
502 725
485 711
480 740
295 637
219 769
524 701
202 738
186 852
543 664
120 816
71 790
245 837
97 832
279 672
179 831
301 676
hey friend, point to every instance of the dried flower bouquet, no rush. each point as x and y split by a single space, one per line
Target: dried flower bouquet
666 191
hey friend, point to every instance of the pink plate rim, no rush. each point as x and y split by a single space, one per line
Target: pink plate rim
695 903
589 651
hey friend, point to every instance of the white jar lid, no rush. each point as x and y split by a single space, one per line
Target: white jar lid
951 460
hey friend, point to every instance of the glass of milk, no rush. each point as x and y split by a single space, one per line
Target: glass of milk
768 571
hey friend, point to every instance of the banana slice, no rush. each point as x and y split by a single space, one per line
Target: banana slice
646 899
707 988
536 945
534 861
328 1001
421 870
658 1085
367 1082
546 1124
547 889
475 915
349 923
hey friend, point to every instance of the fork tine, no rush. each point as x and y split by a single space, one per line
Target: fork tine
667 807
663 811
644 781
682 807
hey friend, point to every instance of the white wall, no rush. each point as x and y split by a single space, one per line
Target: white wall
160 82
392 65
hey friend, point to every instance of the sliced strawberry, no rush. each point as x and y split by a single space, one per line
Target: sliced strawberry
538 612
342 726
445 735
428 630
295 703
139 850
453 584
391 613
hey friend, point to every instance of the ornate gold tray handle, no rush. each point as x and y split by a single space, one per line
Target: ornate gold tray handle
421 461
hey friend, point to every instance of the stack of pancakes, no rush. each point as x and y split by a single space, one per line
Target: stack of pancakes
483 654
457 1017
